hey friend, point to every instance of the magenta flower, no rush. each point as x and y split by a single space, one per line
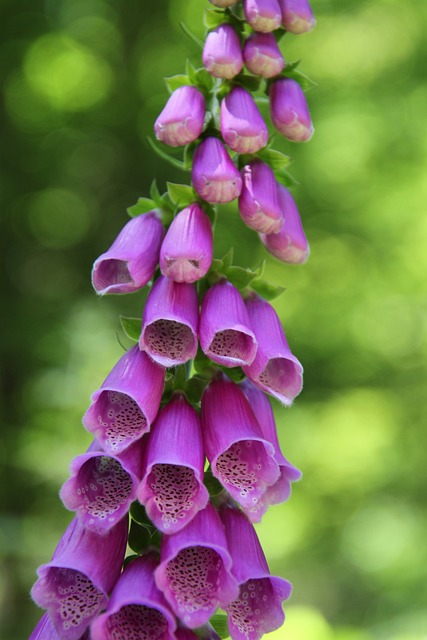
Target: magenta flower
275 369
258 608
172 488
195 569
225 333
170 322
262 55
290 243
186 253
44 630
242 126
182 119
74 585
131 260
215 176
281 490
241 458
289 110
137 609
123 409
297 16
259 201
102 488
222 54
263 15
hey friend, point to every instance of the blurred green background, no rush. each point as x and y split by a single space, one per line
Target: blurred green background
82 87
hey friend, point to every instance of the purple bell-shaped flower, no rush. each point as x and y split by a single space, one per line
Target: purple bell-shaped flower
262 55
297 16
242 126
222 53
263 15
215 177
182 119
289 110
259 201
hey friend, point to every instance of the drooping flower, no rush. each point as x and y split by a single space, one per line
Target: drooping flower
289 110
240 457
262 55
102 487
131 260
186 253
222 53
44 630
225 333
195 569
137 609
275 369
172 488
290 243
297 16
281 490
215 177
74 585
242 126
170 322
259 202
182 119
123 409
258 607
263 15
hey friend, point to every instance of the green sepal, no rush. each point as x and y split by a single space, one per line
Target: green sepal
227 258
220 624
251 83
285 178
267 290
212 18
276 159
178 164
291 71
139 514
189 150
143 205
139 537
234 373
132 327
128 560
211 212
240 277
191 35
175 82
201 362
155 193
212 484
181 194
194 389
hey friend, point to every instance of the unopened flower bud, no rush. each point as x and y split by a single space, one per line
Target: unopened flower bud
222 53
289 110
215 177
297 16
263 15
262 55
186 253
290 243
258 202
182 119
242 126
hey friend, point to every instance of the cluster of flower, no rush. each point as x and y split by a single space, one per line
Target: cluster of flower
151 448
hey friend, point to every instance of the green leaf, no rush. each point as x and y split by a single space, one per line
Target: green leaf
234 373
284 177
220 624
304 81
212 484
174 82
227 259
191 72
267 290
213 18
204 80
154 192
178 164
181 194
210 211
131 327
239 276
138 513
142 206
188 155
191 35
251 83
139 537
194 389
275 159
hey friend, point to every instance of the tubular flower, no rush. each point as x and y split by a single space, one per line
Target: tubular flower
215 177
131 260
281 490
172 488
262 55
44 630
259 202
222 54
258 607
123 409
182 119
73 587
170 322
289 110
241 458
195 569
137 609
297 16
290 243
225 333
242 126
102 487
263 15
186 253
275 369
